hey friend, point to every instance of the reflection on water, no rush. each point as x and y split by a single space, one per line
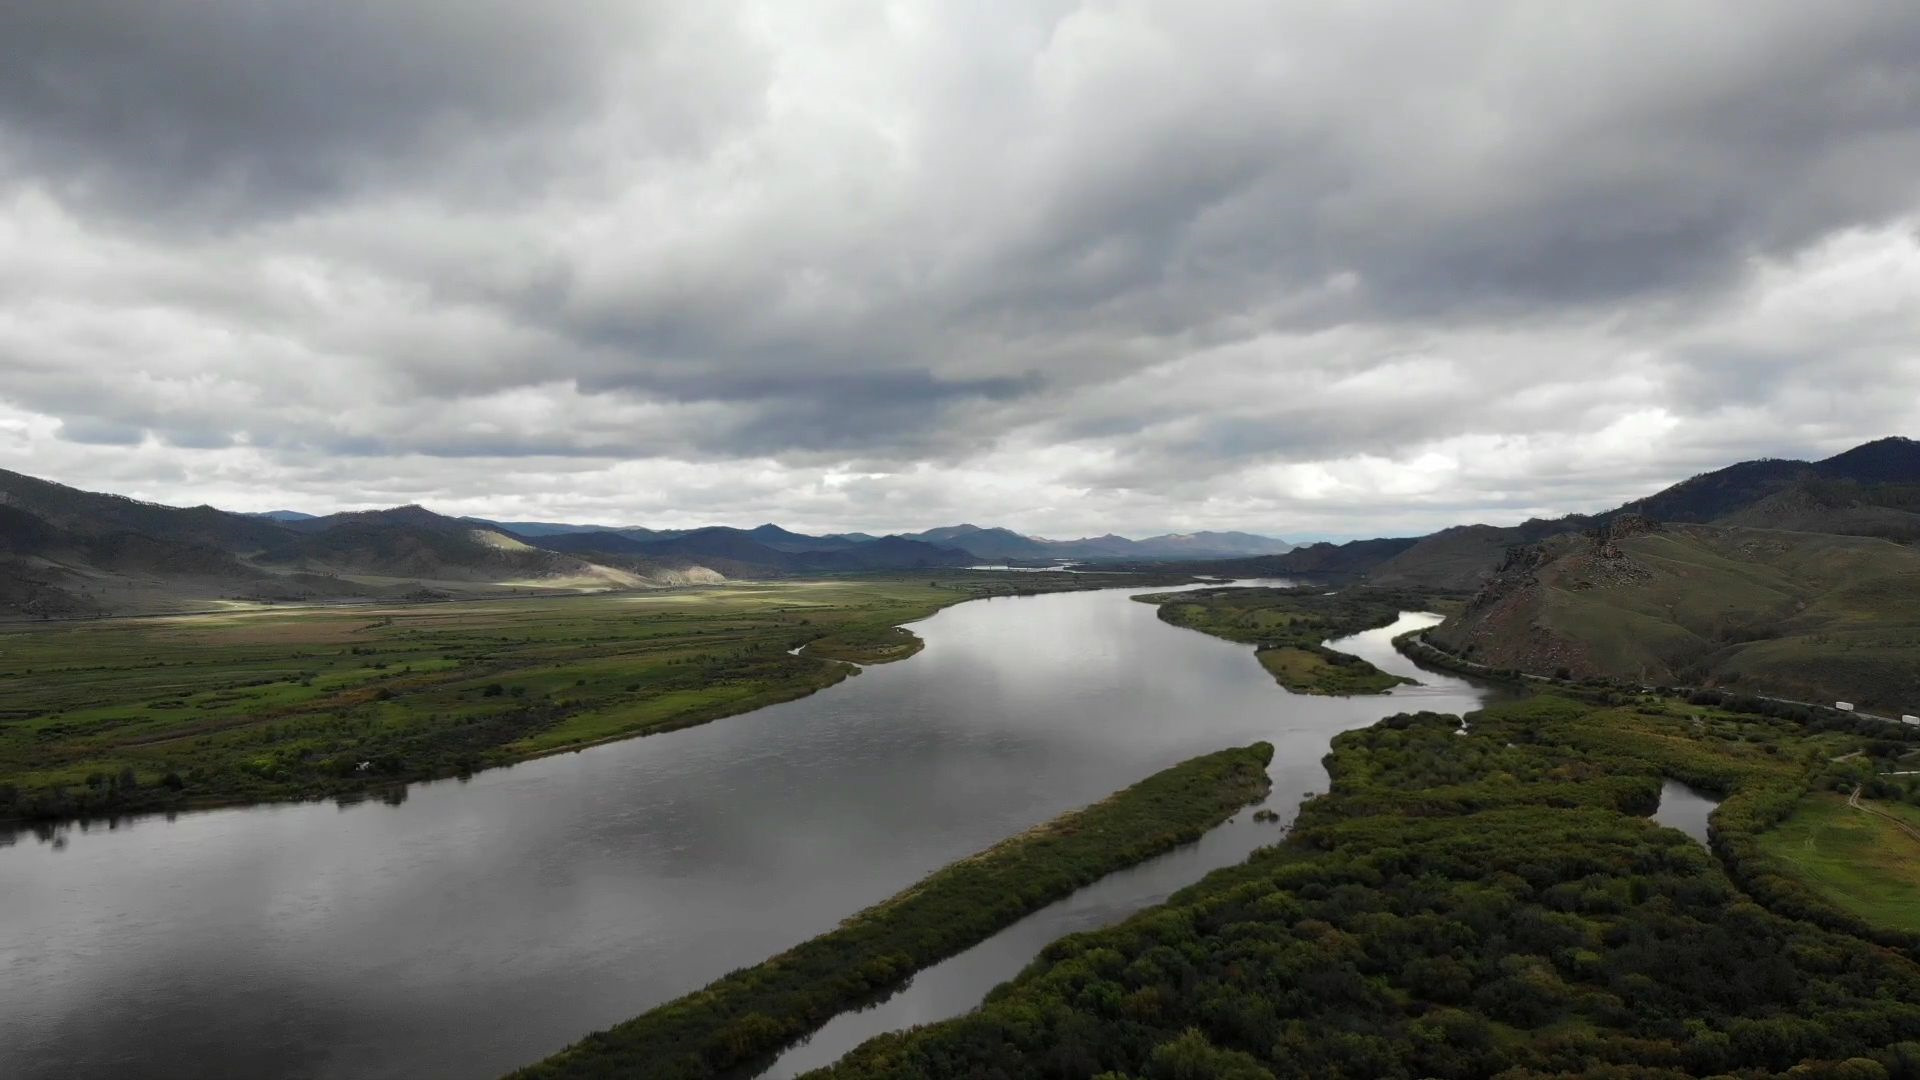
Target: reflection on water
958 984
479 925
1683 808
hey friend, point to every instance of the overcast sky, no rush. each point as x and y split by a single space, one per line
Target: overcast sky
1307 269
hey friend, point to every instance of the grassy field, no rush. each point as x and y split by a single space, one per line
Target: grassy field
739 1022
159 713
1860 861
1287 627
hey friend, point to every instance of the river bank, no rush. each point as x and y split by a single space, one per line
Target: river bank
398 940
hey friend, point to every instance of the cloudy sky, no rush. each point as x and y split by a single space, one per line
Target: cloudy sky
1302 268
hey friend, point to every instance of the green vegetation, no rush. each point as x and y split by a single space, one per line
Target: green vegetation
738 1023
1808 616
1863 862
1325 671
1287 627
163 713
866 645
1477 903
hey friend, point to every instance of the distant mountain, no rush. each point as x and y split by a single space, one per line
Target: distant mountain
1881 472
781 539
1872 490
992 543
282 515
67 552
1206 545
539 528
1723 491
989 544
414 542
886 553
747 550
1324 560
411 514
92 514
590 543
719 540
983 543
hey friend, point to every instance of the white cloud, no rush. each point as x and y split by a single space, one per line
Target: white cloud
1297 268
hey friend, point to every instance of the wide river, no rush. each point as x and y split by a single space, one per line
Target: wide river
482 924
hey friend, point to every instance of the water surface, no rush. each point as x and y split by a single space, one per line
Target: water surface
1684 808
958 984
483 924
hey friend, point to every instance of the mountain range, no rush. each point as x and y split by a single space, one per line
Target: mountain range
1795 577
65 552
71 553
990 543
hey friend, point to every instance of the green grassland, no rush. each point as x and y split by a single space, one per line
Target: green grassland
1860 861
735 1025
866 645
160 713
1287 626
1471 902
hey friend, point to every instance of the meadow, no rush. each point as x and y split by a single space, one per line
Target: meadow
129 715
1860 861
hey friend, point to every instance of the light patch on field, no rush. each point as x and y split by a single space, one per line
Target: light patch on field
707 592
498 540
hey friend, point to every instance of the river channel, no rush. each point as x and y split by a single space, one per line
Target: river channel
482 924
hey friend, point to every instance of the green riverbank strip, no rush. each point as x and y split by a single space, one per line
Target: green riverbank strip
1287 626
738 1023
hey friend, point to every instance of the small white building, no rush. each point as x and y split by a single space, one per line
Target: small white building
1843 706
1909 718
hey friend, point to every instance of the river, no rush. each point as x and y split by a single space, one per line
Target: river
482 924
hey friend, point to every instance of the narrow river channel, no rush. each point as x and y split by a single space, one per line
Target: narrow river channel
482 924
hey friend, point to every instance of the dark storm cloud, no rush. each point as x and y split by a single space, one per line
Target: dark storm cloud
1217 262
248 107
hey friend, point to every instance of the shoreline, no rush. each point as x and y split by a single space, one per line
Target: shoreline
832 671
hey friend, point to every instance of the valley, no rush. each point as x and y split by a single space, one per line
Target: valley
118 716
652 859
876 723
72 554
904 540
